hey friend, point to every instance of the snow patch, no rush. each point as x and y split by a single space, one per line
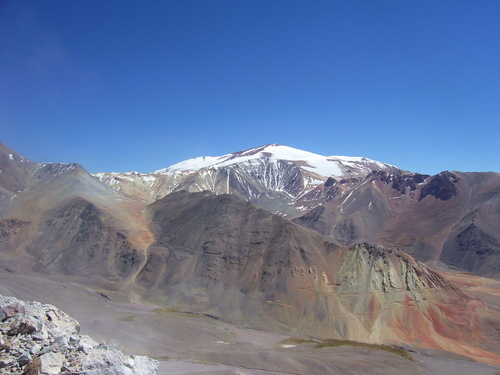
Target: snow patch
192 164
222 342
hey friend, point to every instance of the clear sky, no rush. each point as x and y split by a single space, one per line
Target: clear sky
140 85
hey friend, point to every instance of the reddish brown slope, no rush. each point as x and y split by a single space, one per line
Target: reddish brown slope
454 217
223 256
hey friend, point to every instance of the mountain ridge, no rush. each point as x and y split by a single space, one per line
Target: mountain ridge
275 151
371 201
270 175
234 258
251 267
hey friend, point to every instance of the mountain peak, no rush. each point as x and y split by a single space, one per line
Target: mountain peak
322 166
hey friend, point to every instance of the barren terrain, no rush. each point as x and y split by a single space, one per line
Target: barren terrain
195 344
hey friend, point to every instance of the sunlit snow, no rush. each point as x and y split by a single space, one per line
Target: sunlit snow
325 166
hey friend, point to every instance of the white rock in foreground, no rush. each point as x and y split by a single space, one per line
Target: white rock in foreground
38 339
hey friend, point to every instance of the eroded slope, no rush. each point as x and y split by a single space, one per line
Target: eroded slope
223 256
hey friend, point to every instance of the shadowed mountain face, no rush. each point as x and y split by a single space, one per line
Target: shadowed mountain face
453 217
73 239
61 220
221 255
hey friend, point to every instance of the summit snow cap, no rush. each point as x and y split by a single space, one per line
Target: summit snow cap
325 166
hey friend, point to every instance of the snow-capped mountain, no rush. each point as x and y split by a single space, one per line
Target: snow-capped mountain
278 178
218 254
323 166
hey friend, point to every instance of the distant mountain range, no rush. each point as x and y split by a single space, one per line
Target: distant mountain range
451 217
272 237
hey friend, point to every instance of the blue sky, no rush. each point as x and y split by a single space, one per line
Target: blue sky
140 85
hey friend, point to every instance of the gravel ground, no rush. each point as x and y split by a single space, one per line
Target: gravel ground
187 344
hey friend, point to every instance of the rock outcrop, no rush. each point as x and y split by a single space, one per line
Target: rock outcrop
39 339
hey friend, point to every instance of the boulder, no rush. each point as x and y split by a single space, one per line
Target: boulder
38 339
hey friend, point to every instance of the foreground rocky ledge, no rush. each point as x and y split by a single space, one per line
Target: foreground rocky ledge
39 339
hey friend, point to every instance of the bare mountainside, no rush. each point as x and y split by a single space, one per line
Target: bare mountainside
452 217
221 255
225 257
64 220
449 217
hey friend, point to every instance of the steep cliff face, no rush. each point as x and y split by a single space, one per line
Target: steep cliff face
442 186
387 270
242 264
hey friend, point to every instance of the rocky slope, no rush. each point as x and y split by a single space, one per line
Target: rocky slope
452 217
222 256
63 220
41 339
